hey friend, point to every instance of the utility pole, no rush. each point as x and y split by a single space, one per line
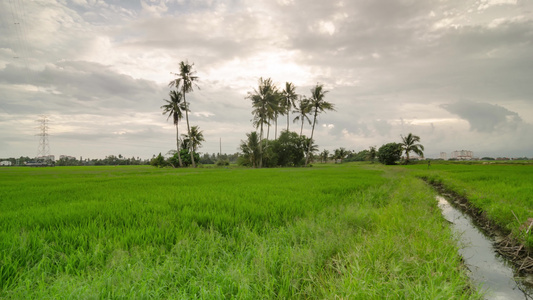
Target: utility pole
220 153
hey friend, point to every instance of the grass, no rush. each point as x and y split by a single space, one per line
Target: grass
502 191
347 231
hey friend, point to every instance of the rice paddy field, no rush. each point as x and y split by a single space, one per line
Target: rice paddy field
350 231
503 191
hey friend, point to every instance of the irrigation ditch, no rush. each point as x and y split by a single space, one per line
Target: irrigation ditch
497 261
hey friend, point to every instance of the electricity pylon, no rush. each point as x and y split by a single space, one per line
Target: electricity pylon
44 146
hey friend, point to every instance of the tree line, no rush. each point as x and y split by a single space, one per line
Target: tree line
269 103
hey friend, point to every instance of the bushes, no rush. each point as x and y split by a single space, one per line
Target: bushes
390 153
222 163
159 161
286 151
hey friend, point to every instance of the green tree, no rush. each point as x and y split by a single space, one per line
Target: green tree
185 157
206 159
187 80
251 149
158 161
175 108
194 140
311 148
357 156
289 149
409 144
372 154
279 111
340 154
324 155
303 109
318 105
288 99
264 104
390 153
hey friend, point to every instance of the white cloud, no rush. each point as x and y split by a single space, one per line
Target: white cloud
489 3
204 114
326 27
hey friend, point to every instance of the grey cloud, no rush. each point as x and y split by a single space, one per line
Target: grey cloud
483 117
80 87
385 60
383 127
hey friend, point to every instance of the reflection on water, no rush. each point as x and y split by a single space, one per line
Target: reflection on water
487 269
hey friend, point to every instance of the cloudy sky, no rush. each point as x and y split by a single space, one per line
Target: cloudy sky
458 73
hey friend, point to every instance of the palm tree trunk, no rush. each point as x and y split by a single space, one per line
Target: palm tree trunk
276 130
178 145
188 130
288 120
302 127
311 140
268 133
261 147
268 129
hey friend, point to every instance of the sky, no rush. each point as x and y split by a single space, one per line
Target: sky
457 73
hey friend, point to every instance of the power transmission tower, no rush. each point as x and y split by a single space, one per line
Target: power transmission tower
44 146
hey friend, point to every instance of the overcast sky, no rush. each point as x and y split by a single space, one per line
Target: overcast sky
458 73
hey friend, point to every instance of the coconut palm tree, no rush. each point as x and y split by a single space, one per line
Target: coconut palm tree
340 154
288 99
194 140
372 153
187 79
324 155
264 104
409 145
250 148
318 105
303 109
175 108
280 110
312 148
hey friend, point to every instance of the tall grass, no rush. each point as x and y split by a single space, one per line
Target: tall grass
502 191
139 232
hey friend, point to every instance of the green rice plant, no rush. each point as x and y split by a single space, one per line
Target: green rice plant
347 231
503 192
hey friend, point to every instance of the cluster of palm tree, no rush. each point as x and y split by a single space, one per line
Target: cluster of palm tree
269 102
177 106
338 155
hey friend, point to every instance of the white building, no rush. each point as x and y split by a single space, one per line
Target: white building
463 155
443 156
5 163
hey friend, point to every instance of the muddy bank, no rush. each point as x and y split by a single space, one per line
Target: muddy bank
492 274
505 244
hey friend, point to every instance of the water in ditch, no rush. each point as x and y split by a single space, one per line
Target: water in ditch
488 270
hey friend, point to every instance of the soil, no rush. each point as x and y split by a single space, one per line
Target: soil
506 245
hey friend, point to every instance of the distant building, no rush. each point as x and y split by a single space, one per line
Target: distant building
67 157
5 163
463 155
46 158
443 156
